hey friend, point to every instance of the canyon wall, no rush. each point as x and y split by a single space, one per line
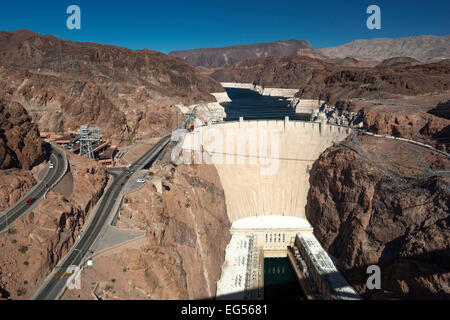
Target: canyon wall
182 214
187 229
374 201
20 150
33 247
331 81
225 56
20 144
65 84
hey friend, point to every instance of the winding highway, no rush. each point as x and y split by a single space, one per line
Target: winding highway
20 208
53 286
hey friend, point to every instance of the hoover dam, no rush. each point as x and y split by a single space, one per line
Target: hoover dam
264 164
264 169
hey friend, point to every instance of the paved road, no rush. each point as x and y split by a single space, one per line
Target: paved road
20 208
53 286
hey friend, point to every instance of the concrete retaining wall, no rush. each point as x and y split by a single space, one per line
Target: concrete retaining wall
275 92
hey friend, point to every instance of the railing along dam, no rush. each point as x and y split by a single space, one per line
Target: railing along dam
263 164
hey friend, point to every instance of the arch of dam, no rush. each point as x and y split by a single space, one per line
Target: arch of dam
264 167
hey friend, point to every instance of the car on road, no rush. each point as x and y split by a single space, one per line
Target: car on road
51 166
140 180
30 201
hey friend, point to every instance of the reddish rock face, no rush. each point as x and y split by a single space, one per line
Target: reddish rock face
20 144
333 80
279 72
374 201
13 185
225 56
188 231
415 125
67 84
32 247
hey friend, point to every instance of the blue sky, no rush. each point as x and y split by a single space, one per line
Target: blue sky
188 24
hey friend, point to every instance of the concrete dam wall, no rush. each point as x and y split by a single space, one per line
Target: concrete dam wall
263 164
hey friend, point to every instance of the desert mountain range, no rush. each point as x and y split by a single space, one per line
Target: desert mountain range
64 84
423 48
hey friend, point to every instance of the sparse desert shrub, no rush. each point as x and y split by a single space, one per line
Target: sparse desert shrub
108 287
21 291
23 249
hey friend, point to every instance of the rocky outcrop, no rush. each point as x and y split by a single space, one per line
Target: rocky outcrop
225 56
34 246
419 126
14 184
377 82
66 84
425 48
20 144
188 230
376 201
183 214
330 82
275 72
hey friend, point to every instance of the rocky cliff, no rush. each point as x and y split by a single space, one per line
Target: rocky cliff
225 56
374 201
20 144
416 125
34 246
381 81
14 184
188 231
183 214
278 72
332 80
20 150
64 84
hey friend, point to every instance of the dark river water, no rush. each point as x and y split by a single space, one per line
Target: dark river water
252 106
280 281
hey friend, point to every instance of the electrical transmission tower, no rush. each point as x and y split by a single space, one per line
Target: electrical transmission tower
113 88
58 63
75 91
88 136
